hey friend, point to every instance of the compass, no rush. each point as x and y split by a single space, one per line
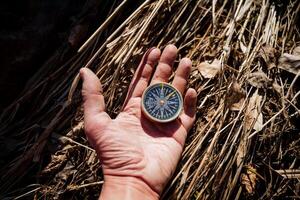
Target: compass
161 102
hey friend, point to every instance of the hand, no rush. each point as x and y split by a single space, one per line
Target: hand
138 156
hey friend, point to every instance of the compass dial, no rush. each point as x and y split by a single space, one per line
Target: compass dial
161 102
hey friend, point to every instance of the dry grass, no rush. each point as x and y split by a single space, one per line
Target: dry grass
245 142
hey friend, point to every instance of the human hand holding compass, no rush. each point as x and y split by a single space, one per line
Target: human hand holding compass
140 149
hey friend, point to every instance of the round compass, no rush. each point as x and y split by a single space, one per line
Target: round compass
162 102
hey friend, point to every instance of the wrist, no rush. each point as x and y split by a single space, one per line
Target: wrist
132 188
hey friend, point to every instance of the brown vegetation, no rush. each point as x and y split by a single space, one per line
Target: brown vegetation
245 142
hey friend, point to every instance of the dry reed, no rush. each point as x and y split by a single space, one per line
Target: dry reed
245 142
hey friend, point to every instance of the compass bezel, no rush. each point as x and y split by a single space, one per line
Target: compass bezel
149 116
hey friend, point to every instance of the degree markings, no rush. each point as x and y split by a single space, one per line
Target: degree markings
165 93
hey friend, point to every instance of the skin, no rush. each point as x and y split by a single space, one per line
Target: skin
138 156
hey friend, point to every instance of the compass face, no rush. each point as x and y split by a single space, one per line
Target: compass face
161 102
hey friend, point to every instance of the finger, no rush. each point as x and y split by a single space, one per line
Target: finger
95 117
144 77
93 100
182 74
189 109
164 68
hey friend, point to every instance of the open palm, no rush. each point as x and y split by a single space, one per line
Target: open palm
131 146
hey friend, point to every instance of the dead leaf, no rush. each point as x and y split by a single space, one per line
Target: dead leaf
68 171
210 70
296 51
249 179
290 62
259 80
235 97
237 106
57 160
268 54
253 115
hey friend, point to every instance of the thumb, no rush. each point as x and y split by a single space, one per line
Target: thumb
93 103
93 100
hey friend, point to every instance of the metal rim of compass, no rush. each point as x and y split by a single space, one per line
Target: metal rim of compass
174 116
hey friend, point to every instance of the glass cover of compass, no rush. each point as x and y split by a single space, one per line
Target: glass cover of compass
161 102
